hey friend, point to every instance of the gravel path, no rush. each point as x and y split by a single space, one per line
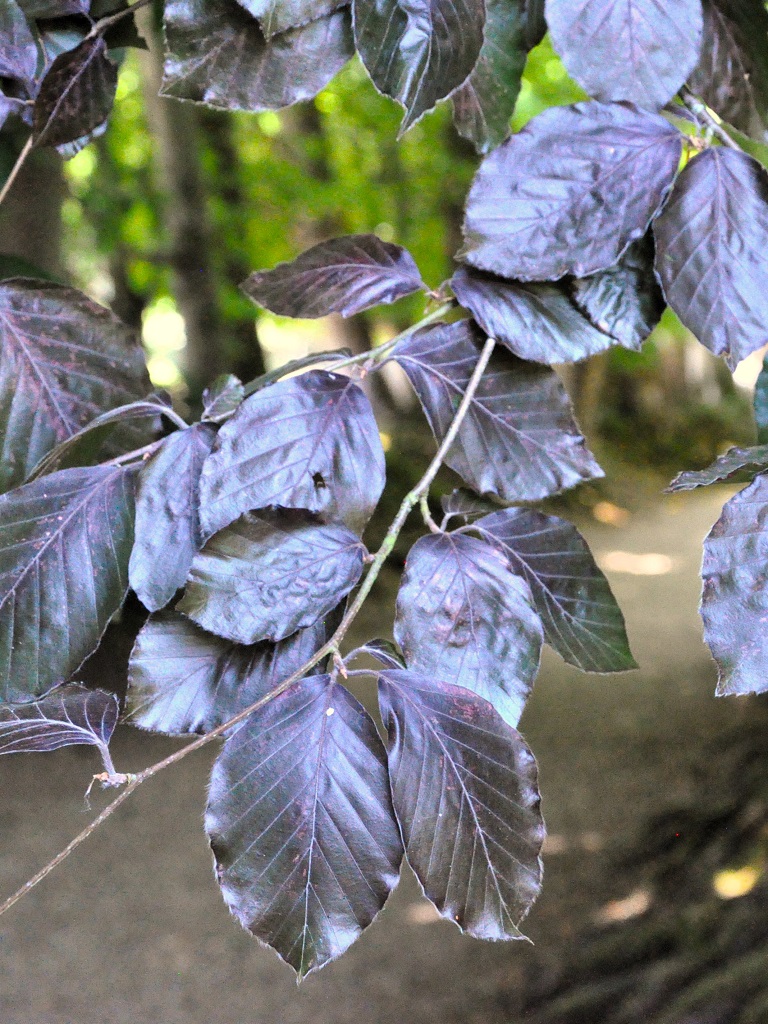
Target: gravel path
132 929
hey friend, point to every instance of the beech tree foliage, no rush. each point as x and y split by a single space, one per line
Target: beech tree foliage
243 534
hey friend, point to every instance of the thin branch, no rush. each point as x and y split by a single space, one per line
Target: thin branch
331 647
20 161
103 24
699 109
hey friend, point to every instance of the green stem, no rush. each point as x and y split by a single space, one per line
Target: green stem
331 647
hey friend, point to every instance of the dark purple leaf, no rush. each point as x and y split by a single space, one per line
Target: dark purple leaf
76 94
168 534
269 574
465 791
184 680
625 301
217 54
67 716
418 51
734 461
483 105
310 442
222 398
63 361
711 254
760 403
536 321
464 618
277 16
568 193
345 275
65 541
581 618
732 73
10 106
301 824
638 50
465 504
70 149
535 23
734 602
53 8
518 440
384 651
18 50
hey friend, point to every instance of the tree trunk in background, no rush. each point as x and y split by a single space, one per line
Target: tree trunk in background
30 217
174 129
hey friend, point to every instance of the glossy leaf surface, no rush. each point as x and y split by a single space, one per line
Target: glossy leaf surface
184 680
67 716
310 442
217 54
301 824
732 74
465 791
570 192
269 574
76 94
65 541
536 321
483 105
222 397
464 618
735 460
711 255
734 602
637 50
463 503
344 275
581 618
625 301
168 534
63 360
277 16
518 439
18 51
418 51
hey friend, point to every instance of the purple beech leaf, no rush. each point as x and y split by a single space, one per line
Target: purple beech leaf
276 16
581 618
463 618
70 149
65 541
217 54
625 300
518 440
301 824
9 106
483 105
734 602
222 398
418 51
536 321
711 255
570 192
732 74
65 717
344 275
466 505
760 403
734 461
63 361
53 8
384 651
18 50
465 791
271 573
76 94
638 50
535 23
168 534
310 442
184 680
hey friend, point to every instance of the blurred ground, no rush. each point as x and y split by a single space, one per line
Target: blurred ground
132 929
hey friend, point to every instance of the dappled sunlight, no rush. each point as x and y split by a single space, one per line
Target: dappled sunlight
731 883
651 563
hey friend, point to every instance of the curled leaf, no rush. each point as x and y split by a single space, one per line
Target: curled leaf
67 716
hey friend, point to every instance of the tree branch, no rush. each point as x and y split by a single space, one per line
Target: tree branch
331 647
20 161
699 109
